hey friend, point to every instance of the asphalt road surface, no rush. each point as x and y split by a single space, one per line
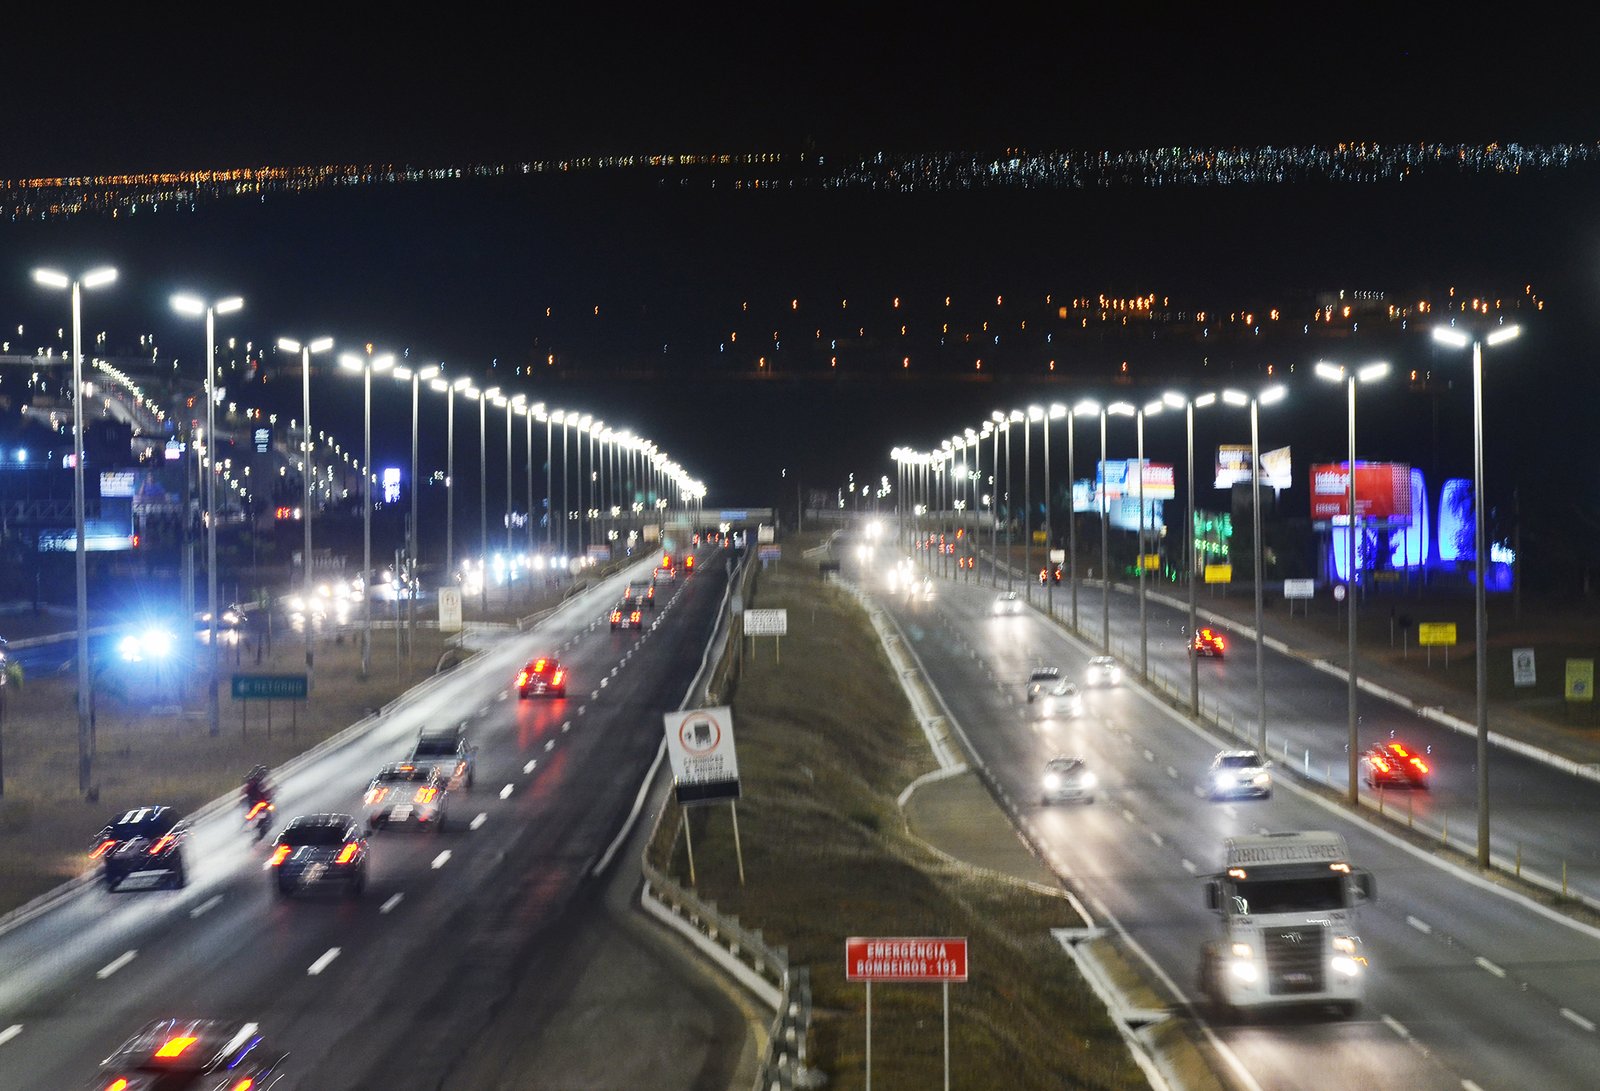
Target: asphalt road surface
467 942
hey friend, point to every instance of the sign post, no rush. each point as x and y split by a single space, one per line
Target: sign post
773 623
906 958
1522 673
1441 633
269 688
705 768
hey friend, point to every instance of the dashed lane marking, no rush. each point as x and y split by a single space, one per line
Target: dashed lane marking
394 900
1421 926
506 791
1396 1026
323 962
1491 967
205 906
10 1032
528 768
476 822
441 860
115 964
1573 1017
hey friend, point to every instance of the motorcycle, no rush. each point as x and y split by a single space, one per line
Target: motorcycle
259 815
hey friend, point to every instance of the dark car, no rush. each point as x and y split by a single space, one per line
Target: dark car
448 749
1208 642
642 592
626 615
403 794
142 849
1395 765
198 1054
544 675
320 850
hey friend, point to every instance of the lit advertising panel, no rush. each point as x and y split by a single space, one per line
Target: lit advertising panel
1383 491
1233 467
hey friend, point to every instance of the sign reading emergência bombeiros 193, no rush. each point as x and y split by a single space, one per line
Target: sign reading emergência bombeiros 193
705 768
905 958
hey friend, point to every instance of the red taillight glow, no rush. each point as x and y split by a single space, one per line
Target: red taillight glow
1379 764
375 795
425 795
102 848
1422 766
279 855
347 853
260 806
244 1085
538 666
162 845
118 1084
174 1047
557 677
522 678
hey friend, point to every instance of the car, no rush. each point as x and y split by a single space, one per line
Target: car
143 848
688 565
406 794
542 675
1236 774
1041 679
319 850
1067 780
198 1054
626 615
1061 699
641 591
1395 765
1103 671
448 749
1209 643
1007 603
663 574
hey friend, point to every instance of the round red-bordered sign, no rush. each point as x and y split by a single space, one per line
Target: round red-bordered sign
695 747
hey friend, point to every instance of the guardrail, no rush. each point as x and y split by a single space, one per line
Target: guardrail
741 952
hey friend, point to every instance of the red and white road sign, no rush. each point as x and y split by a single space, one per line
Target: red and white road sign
905 958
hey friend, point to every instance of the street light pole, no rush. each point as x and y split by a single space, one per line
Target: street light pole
1057 411
416 376
1174 400
366 364
1457 339
49 278
307 469
1265 397
193 307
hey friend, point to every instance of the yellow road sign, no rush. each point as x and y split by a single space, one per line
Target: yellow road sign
1580 679
1437 633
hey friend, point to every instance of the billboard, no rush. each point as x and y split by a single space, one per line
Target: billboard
1121 478
1233 466
1383 491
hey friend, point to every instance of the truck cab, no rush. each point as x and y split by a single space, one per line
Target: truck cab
1288 905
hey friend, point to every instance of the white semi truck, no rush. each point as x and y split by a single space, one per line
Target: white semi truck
1288 905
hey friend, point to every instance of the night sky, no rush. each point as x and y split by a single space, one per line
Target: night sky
460 273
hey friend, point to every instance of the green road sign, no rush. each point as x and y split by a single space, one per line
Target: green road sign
269 687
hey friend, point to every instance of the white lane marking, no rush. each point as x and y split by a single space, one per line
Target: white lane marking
528 768
1468 1085
502 695
1157 839
1421 926
394 900
1171 772
582 709
1396 1026
506 791
115 964
10 1032
550 744
613 674
1491 967
1188 865
476 822
441 860
1149 756
1573 1017
1128 815
594 693
322 963
566 727
604 682
205 906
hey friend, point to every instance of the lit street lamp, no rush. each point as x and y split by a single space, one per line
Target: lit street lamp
1458 339
366 364
189 305
409 579
307 469
93 279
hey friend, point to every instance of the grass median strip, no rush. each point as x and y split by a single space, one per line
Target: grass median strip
826 742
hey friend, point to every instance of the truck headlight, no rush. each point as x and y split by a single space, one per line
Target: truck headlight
1243 970
1345 965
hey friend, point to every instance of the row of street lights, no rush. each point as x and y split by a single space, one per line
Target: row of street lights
919 470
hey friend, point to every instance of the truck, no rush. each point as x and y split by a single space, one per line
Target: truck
1288 905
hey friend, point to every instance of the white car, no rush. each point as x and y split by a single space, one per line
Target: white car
1067 780
1238 774
1007 603
1061 699
1103 671
1041 679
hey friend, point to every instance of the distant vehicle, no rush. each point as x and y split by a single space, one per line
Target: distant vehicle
664 575
197 1054
318 850
403 794
1067 780
1007 603
1238 774
625 615
448 749
1395 765
1041 679
1103 671
1209 643
641 591
543 675
1288 905
1061 699
688 565
142 848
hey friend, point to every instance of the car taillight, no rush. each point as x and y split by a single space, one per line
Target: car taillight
538 666
559 675
102 848
347 853
1380 765
162 845
1422 766
522 678
244 1085
375 795
279 855
174 1047
118 1084
425 795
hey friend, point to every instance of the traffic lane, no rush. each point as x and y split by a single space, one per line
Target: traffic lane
245 910
1537 810
1389 938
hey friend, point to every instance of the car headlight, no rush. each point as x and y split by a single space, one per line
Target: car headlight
1088 780
1344 964
1223 780
1049 705
1052 781
1261 780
